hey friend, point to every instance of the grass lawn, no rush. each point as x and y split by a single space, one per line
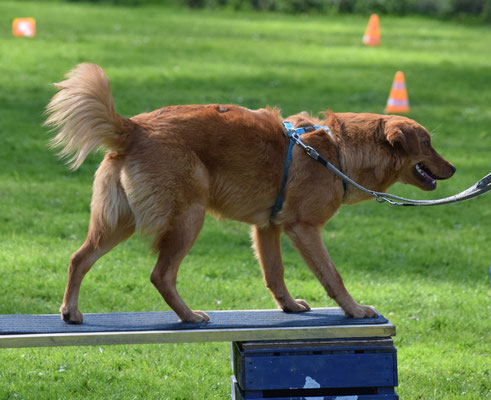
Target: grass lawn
425 269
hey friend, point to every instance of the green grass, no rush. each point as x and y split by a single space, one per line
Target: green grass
425 269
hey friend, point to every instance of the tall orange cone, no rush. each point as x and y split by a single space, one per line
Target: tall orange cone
398 101
372 33
24 27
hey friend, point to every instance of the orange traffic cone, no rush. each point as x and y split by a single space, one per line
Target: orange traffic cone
372 33
398 101
24 27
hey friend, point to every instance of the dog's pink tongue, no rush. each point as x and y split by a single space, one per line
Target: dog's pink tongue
427 176
431 182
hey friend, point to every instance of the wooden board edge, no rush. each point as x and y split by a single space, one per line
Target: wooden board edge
194 335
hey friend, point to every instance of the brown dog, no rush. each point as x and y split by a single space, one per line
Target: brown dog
165 169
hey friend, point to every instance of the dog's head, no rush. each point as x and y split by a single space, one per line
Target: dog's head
419 163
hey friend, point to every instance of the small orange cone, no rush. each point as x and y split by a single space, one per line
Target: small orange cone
398 101
372 33
24 27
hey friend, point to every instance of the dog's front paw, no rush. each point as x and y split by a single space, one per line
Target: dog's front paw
298 305
362 312
196 316
72 317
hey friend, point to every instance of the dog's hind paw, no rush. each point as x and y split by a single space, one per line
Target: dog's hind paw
72 318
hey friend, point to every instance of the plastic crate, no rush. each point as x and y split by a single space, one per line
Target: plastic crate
347 369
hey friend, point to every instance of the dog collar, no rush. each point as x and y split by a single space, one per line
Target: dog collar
291 131
293 134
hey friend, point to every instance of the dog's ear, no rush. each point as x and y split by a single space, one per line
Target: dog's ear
332 121
398 134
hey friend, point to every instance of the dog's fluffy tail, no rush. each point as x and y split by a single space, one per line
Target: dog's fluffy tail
83 113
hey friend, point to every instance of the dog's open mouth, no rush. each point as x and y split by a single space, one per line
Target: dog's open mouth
426 176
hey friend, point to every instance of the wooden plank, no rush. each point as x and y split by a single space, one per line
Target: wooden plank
182 336
163 321
163 327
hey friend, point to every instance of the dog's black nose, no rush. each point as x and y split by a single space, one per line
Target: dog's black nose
453 169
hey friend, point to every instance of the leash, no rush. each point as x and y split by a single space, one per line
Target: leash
479 188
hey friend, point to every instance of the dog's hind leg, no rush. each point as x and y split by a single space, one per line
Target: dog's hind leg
308 241
268 251
80 263
174 246
111 222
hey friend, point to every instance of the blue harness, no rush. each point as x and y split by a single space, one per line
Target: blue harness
293 134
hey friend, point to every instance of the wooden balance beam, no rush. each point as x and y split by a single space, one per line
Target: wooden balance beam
319 354
164 327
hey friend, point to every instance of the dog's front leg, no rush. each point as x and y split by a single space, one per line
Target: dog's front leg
267 247
307 239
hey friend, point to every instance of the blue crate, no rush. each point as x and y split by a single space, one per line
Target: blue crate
362 369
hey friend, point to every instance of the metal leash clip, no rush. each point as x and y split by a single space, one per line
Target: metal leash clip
308 149
311 152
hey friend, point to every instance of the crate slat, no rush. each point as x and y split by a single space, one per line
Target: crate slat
313 394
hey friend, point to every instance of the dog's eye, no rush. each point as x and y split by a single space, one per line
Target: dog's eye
427 143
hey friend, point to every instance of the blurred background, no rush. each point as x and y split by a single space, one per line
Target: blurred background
425 269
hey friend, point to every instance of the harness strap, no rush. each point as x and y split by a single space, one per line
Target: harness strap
279 199
294 136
